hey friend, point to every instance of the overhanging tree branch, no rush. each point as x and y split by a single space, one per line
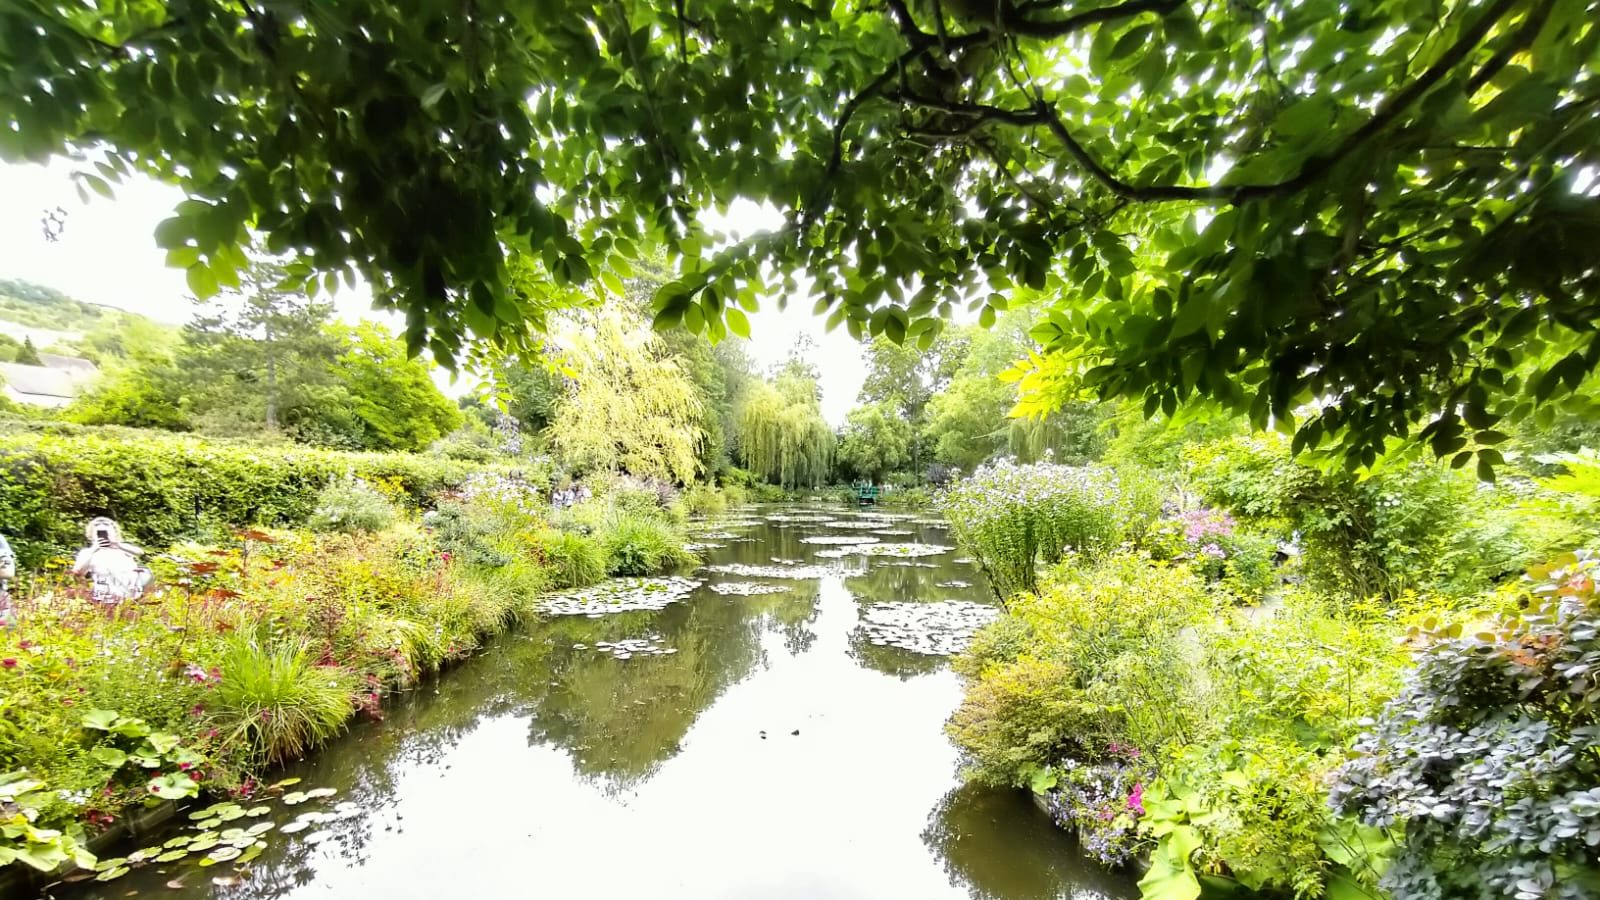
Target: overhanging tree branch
1057 28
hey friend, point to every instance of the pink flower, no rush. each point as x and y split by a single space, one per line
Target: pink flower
9 662
1136 799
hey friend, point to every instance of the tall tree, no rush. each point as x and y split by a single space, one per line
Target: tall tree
391 393
1247 203
876 440
783 438
27 354
262 337
631 408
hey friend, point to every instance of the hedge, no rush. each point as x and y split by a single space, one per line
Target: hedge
162 488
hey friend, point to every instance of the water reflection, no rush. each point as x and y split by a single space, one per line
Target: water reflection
775 754
998 846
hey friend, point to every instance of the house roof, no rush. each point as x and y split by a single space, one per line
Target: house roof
80 367
42 382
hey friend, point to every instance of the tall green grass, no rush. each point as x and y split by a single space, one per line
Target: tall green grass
276 702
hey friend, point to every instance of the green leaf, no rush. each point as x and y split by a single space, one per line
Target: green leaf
110 757
1133 40
201 282
1169 879
100 719
431 96
738 323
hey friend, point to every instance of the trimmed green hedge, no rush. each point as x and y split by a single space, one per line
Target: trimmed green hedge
163 487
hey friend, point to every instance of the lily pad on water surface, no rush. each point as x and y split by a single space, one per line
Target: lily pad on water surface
748 588
620 595
798 573
936 629
902 550
842 540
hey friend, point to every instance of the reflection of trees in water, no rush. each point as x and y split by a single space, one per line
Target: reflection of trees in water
997 846
902 664
621 719
888 580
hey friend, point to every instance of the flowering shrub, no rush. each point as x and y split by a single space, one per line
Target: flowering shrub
1103 803
1214 545
1486 762
1014 518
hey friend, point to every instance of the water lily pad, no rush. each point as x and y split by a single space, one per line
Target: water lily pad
255 811
748 588
698 546
620 595
260 828
863 524
250 853
631 647
295 798
181 840
220 855
954 583
172 855
903 550
112 874
841 540
106 865
935 629
203 843
319 793
287 782
798 573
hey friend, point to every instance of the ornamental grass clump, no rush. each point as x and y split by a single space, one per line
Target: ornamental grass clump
274 702
1015 518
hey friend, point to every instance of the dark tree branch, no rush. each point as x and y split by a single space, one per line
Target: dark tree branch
1057 28
908 25
683 37
1525 34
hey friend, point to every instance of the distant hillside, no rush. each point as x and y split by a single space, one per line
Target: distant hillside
37 306
57 322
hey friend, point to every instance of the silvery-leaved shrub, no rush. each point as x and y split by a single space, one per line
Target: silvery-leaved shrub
1488 762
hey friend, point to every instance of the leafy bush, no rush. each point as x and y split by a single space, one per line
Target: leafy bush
1405 527
641 544
23 841
162 488
351 505
1102 802
1485 763
1019 717
1212 544
575 559
1014 518
1110 636
1253 809
702 499
274 701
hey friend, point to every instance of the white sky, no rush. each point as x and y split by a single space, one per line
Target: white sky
107 254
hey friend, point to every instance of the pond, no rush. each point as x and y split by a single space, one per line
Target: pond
770 728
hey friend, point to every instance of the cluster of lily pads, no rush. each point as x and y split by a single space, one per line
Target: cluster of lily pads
631 647
906 550
842 540
797 573
698 546
621 595
215 840
798 518
935 629
748 588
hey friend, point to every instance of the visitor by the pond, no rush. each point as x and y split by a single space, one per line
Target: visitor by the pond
110 564
8 571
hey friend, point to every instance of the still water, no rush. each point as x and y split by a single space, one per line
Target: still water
777 753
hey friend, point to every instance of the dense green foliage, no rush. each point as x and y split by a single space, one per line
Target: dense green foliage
1485 765
257 647
162 488
1239 721
782 437
1195 186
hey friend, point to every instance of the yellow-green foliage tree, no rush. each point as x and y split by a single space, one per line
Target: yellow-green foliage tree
630 407
782 435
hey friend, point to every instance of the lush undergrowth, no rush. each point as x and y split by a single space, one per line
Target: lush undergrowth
257 649
1178 688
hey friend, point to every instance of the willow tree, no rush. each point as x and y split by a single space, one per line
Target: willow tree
630 407
783 438
1384 206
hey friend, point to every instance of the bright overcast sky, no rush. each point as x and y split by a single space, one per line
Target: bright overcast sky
107 254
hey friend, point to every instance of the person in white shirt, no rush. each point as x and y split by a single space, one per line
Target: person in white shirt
8 571
111 565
